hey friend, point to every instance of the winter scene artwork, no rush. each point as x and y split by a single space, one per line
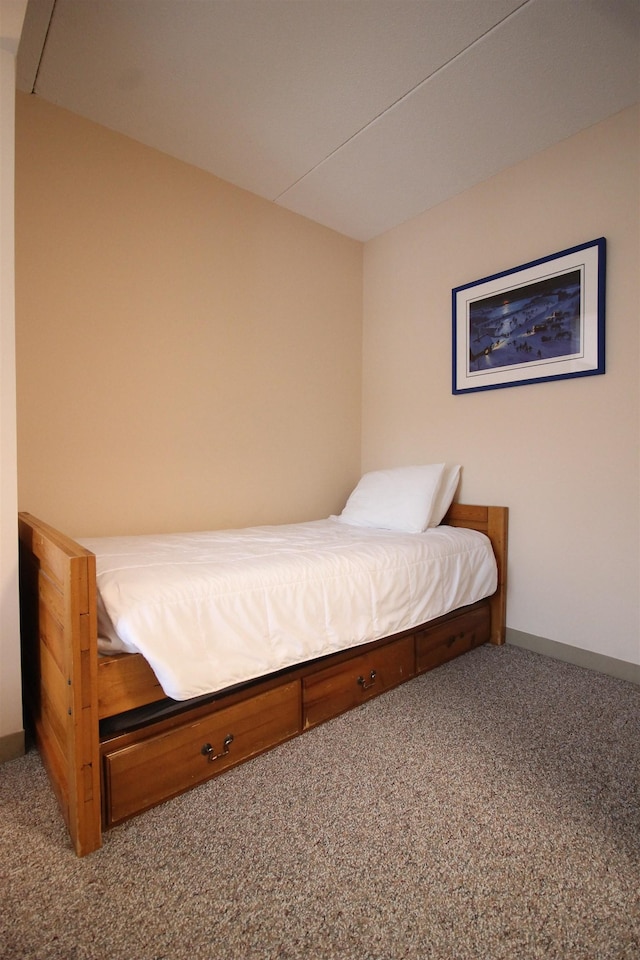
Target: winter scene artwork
541 321
536 322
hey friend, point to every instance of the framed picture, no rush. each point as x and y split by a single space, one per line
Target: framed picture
541 321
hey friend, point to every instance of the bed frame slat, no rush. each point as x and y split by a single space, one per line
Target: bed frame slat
126 681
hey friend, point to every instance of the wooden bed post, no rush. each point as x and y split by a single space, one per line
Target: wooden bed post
494 522
60 664
498 533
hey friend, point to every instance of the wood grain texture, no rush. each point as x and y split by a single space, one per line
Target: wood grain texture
59 631
494 523
143 774
337 688
453 636
125 681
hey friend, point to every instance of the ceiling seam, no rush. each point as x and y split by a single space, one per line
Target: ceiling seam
400 99
44 45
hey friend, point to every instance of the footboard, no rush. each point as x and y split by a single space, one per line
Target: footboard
59 653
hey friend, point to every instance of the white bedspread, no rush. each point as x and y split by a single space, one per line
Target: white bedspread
208 610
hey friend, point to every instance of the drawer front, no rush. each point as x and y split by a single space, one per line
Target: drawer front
334 690
448 640
145 773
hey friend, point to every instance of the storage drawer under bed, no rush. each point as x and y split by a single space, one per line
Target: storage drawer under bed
456 635
143 769
153 768
336 689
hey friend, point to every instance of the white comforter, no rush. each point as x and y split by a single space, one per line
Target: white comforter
208 610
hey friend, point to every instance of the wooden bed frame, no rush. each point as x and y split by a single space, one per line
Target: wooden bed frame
104 773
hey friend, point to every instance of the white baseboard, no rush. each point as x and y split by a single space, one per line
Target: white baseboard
12 746
581 658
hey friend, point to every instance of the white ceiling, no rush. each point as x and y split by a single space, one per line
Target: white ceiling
359 114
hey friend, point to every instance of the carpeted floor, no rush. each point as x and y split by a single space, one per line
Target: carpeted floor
488 809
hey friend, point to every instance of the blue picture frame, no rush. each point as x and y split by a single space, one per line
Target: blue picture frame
541 321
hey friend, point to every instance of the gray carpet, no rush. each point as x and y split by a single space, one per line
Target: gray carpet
488 809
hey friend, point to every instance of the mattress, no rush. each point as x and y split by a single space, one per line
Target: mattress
211 609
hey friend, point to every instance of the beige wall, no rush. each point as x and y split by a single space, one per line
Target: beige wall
11 730
188 355
564 456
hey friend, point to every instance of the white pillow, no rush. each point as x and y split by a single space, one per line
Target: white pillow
445 495
399 499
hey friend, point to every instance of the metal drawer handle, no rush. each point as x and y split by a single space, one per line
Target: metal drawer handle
367 685
207 749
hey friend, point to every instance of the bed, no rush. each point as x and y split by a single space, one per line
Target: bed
114 743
